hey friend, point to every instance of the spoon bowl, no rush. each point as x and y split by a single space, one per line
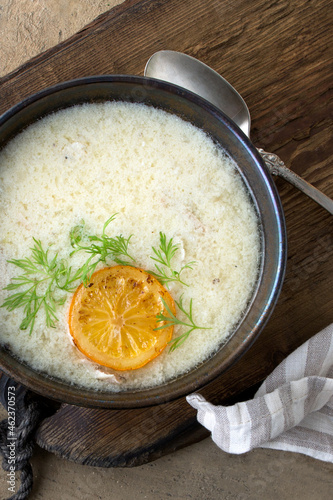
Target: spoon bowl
186 71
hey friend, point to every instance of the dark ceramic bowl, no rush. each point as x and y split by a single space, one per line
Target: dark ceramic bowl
261 188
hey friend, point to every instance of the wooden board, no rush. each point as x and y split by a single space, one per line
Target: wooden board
278 55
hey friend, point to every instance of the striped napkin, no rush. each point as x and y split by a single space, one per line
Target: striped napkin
291 411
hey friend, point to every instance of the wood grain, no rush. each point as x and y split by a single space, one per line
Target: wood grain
278 56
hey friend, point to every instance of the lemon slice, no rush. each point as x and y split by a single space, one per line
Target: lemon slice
113 319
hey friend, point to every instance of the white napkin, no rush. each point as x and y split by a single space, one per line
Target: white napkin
292 410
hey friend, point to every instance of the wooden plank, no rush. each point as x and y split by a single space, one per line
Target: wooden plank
278 56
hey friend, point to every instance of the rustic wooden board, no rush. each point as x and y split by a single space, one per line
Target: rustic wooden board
278 55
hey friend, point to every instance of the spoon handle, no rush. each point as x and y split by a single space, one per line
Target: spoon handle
277 167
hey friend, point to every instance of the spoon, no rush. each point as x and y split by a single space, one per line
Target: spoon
191 74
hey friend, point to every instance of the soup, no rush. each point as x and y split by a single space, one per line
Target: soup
154 174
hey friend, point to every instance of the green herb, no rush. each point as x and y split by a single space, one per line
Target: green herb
45 280
104 247
163 256
172 320
39 285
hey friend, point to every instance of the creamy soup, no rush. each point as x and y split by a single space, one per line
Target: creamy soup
157 173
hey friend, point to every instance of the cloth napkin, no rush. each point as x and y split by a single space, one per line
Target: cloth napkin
291 411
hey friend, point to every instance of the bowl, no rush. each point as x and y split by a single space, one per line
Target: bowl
264 197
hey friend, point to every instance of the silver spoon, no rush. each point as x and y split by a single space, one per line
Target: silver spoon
191 74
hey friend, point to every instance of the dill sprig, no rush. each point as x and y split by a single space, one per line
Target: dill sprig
163 257
103 247
172 320
46 279
39 285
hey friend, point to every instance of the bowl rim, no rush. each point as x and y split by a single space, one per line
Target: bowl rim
56 389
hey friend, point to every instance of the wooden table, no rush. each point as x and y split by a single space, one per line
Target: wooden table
278 56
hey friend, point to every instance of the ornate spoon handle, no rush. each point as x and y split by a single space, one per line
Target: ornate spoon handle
277 167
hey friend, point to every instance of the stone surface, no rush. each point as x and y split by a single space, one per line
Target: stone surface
28 27
201 471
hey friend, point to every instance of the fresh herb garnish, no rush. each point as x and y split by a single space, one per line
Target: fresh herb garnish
172 320
46 280
104 248
39 285
163 256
